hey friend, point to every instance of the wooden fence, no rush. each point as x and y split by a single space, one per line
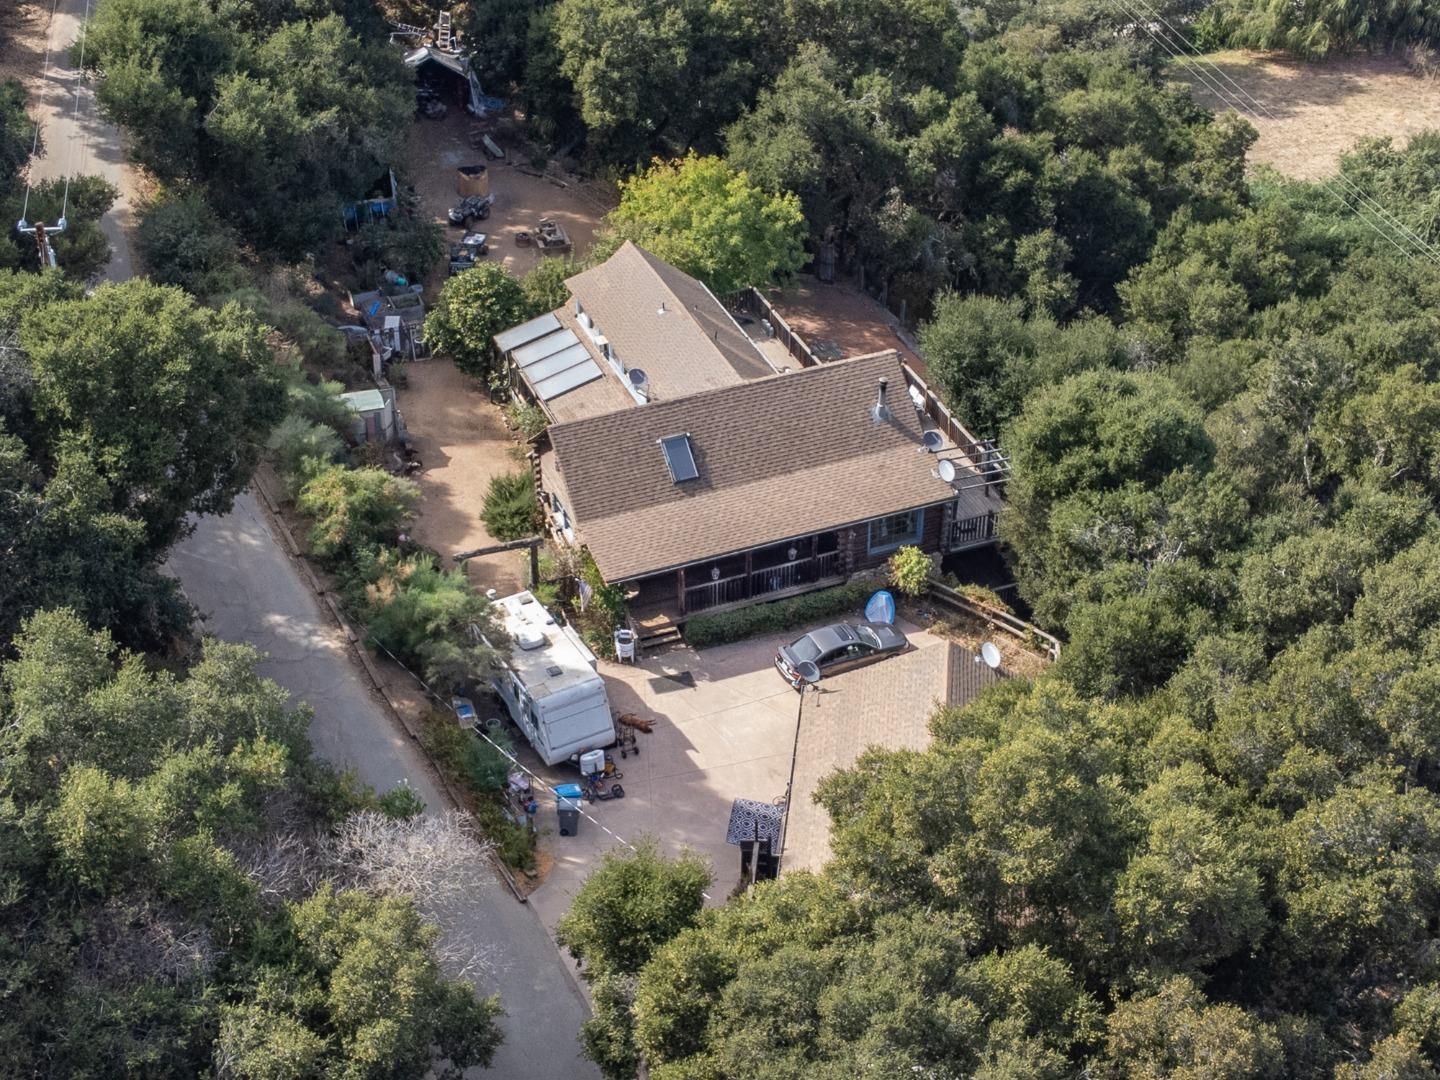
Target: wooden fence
752 302
1010 624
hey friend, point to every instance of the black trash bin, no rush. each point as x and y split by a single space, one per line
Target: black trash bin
567 808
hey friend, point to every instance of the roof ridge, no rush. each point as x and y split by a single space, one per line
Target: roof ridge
764 380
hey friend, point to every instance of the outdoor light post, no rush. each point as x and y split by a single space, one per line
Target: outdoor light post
809 676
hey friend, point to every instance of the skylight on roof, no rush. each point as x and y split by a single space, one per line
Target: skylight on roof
679 458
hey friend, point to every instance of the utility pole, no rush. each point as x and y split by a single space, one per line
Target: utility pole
42 239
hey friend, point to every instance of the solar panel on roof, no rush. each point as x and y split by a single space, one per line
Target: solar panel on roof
678 458
548 345
526 332
568 379
553 365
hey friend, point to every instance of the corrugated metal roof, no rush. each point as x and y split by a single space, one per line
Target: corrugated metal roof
363 401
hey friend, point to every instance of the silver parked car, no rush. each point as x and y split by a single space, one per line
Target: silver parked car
839 647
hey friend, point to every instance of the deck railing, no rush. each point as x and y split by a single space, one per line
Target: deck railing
971 532
759 583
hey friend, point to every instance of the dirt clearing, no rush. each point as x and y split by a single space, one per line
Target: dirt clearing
438 147
839 321
1315 112
463 441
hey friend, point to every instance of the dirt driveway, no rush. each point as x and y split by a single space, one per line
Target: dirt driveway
463 442
724 729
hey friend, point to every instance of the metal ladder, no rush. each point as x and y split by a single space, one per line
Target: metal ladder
444 38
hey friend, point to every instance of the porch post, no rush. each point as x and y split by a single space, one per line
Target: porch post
749 569
680 588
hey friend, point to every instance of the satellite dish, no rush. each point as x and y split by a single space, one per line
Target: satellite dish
808 672
637 377
991 655
947 471
932 440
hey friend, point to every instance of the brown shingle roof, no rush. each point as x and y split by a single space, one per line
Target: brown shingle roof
694 345
778 458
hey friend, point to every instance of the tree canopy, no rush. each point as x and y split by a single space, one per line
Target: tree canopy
121 413
155 918
278 113
1202 844
711 221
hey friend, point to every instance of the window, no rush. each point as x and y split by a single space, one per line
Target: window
888 533
679 458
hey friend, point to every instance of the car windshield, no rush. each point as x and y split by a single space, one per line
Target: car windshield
804 649
869 637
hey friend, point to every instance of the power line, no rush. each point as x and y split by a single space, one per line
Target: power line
1382 221
1425 246
44 71
75 113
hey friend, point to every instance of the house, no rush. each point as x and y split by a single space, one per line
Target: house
636 331
701 476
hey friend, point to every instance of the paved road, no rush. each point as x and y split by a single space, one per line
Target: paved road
236 571
77 142
238 574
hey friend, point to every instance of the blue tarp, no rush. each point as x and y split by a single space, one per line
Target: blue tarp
880 608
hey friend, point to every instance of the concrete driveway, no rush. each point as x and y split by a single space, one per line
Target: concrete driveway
724 730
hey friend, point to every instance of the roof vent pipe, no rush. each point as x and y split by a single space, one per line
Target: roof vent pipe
881 411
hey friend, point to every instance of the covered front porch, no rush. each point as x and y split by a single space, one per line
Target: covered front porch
763 573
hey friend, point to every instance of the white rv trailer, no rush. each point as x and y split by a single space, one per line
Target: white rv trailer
550 684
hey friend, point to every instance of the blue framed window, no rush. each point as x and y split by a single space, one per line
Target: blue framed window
889 533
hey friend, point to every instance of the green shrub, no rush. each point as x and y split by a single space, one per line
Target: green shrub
528 420
514 842
302 450
354 509
486 768
401 803
705 630
319 401
473 307
511 510
910 569
407 245
184 243
424 615
317 341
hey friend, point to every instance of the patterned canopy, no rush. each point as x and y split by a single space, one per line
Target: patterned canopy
751 820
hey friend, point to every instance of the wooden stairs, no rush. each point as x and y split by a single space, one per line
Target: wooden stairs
654 629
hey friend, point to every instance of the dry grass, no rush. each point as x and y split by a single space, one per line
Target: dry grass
1315 112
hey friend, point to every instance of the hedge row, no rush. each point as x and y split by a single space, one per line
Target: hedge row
847 599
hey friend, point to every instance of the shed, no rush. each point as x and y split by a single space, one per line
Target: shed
450 70
375 416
